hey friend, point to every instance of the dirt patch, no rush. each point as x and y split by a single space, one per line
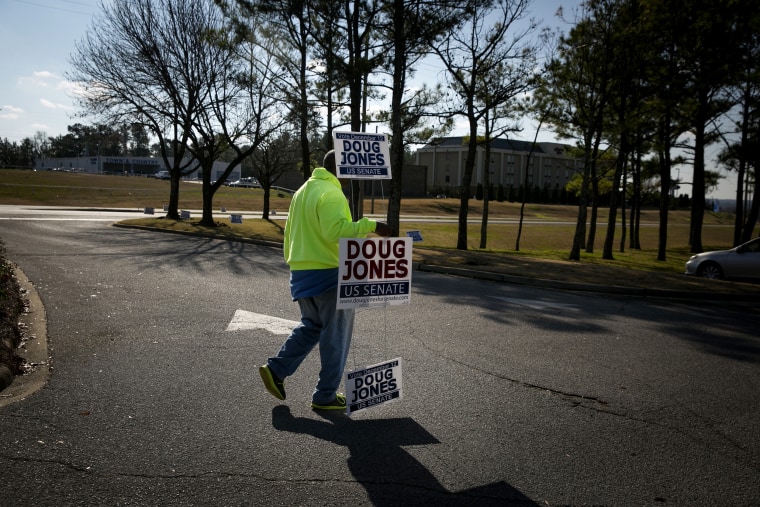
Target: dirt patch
11 307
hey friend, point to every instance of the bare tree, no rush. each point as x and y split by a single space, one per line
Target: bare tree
498 97
408 30
363 56
290 23
470 56
273 158
574 95
242 110
330 43
743 153
142 62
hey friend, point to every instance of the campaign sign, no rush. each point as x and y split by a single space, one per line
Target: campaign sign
148 211
359 155
415 235
236 219
374 272
374 385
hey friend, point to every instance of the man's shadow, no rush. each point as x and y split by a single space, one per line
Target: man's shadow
378 462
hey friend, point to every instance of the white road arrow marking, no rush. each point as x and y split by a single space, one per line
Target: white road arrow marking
248 320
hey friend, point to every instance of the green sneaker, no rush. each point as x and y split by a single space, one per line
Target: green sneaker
272 382
339 403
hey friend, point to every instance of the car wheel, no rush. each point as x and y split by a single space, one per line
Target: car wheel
710 270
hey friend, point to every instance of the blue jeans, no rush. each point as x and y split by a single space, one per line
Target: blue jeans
320 323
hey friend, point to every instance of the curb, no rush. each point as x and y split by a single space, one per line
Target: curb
34 349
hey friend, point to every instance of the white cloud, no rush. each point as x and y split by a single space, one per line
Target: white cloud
28 81
52 105
40 126
10 112
41 78
11 109
44 74
72 89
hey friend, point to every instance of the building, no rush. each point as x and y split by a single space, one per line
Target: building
550 166
132 166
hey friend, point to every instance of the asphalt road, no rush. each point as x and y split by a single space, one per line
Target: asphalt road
512 395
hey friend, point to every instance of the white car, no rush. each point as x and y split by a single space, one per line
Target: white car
249 182
162 175
739 263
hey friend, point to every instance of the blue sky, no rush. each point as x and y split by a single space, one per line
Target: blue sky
38 37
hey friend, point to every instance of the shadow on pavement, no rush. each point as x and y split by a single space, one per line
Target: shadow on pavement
378 462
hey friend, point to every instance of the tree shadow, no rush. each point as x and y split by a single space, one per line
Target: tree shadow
390 475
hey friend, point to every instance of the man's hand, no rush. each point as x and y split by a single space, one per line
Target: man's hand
383 229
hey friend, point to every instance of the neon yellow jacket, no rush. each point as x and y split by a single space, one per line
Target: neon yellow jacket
318 217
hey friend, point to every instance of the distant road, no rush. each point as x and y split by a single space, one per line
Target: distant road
26 212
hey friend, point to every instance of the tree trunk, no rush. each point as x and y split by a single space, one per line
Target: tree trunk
623 219
739 224
754 212
486 190
591 238
464 198
304 109
698 182
525 178
620 163
397 129
355 81
580 225
609 238
173 210
662 245
267 194
635 243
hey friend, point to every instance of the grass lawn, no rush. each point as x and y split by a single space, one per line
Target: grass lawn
547 231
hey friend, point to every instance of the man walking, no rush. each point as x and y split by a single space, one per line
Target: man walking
318 217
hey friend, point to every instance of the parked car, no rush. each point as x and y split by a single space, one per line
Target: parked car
162 175
249 182
738 263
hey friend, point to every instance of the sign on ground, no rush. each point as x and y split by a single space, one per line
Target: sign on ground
373 386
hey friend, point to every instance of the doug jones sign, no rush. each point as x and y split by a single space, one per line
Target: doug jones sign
362 156
374 272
